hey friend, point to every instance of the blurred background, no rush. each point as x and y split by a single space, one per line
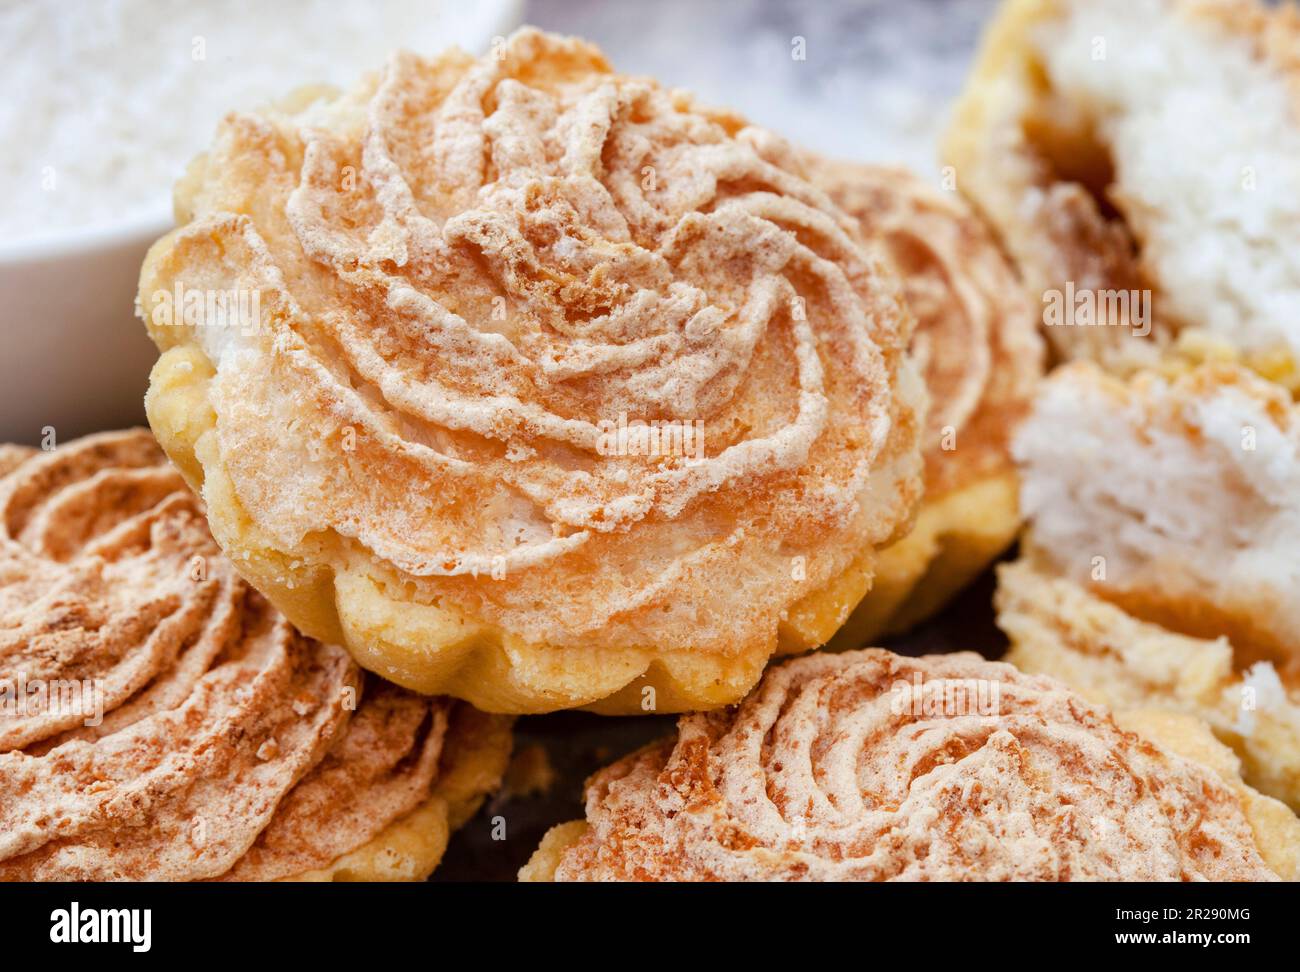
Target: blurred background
871 80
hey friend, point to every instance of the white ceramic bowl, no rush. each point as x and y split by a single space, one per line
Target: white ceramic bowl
73 357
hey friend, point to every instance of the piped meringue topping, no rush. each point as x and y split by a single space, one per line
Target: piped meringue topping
469 272
870 766
161 721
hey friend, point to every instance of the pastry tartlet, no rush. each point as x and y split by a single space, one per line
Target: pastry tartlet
480 282
981 357
1161 566
1145 145
161 721
864 765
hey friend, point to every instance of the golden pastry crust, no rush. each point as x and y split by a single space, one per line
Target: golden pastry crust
1091 183
870 766
465 268
1058 628
981 357
162 722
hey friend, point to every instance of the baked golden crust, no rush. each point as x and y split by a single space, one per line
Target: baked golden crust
465 268
162 722
981 358
1093 185
870 766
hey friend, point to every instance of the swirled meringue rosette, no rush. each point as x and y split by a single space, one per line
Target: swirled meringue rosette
981 357
864 765
159 720
557 393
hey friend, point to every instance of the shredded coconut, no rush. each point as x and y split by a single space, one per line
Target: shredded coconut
109 99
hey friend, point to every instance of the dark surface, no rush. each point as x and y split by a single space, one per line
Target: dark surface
578 743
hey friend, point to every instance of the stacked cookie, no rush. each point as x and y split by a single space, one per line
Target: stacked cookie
560 390
164 722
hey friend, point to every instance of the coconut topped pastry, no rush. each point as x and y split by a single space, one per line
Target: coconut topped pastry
978 347
1161 566
1139 159
1177 500
161 721
868 766
548 391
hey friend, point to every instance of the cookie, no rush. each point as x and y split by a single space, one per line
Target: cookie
558 393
